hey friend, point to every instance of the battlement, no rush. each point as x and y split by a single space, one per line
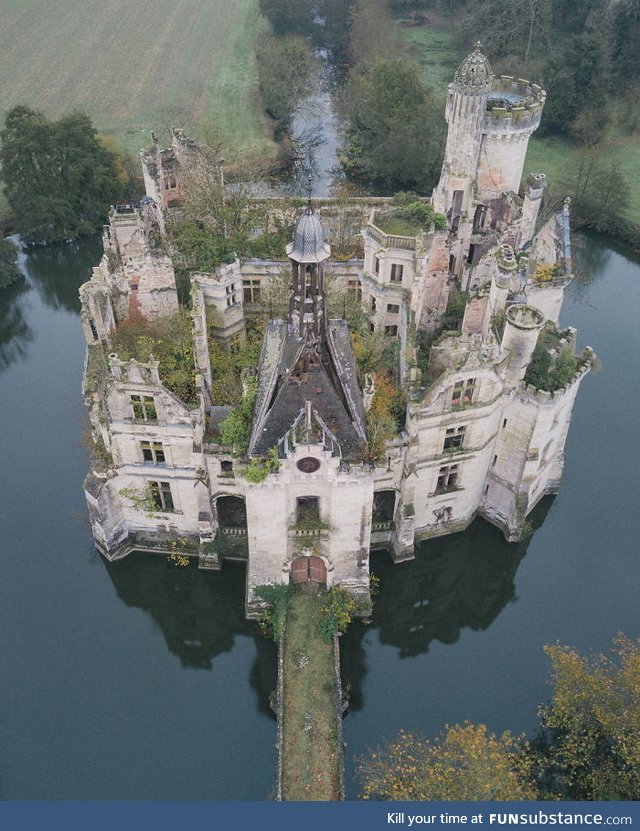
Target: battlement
514 105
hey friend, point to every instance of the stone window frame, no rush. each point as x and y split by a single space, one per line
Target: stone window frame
397 272
393 308
463 392
448 479
454 438
144 407
391 330
162 497
231 295
252 289
153 452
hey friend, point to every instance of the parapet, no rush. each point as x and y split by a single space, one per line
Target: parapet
514 105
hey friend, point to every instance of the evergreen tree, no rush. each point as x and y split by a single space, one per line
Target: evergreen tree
59 179
395 129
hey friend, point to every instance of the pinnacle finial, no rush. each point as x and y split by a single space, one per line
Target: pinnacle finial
475 70
309 192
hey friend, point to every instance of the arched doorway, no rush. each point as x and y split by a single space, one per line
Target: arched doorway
309 570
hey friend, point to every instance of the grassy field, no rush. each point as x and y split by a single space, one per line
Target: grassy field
438 56
310 739
136 66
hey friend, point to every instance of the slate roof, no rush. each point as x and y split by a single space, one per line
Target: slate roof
308 244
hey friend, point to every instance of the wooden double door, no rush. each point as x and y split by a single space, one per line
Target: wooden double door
309 570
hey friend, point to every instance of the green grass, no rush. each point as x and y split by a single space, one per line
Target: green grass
556 156
396 225
436 54
137 66
310 738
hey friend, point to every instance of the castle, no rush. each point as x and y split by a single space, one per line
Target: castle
483 434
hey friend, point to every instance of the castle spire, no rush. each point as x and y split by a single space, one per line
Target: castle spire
474 73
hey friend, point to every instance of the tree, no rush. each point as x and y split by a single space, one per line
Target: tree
599 190
466 762
285 69
577 84
9 271
58 177
395 130
593 723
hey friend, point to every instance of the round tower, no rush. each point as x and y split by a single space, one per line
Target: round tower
522 326
513 112
466 104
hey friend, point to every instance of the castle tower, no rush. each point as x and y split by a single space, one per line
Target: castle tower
522 327
307 254
466 104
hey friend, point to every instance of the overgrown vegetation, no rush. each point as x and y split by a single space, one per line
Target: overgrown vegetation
235 431
168 341
386 415
543 372
334 614
588 747
274 617
310 751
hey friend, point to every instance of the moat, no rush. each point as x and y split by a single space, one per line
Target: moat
140 680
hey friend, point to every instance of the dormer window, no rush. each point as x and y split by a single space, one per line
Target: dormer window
463 392
144 408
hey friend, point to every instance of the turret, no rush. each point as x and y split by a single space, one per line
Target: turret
523 324
536 184
466 104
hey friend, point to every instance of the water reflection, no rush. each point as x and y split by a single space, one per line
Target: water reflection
15 332
457 582
57 271
199 613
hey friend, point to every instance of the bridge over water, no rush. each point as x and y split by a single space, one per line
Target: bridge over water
309 708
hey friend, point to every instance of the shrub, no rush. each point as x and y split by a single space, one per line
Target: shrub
335 614
275 616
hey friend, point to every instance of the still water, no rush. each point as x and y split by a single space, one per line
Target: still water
139 680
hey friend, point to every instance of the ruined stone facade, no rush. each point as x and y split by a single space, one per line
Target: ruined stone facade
478 440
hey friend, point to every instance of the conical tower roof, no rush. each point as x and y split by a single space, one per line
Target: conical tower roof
308 244
474 73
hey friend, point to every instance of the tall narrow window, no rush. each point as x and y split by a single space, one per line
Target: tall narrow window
153 452
376 264
161 495
355 289
454 438
447 478
94 330
396 272
144 408
373 304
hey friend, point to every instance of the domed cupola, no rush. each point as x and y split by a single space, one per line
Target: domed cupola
308 244
474 73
